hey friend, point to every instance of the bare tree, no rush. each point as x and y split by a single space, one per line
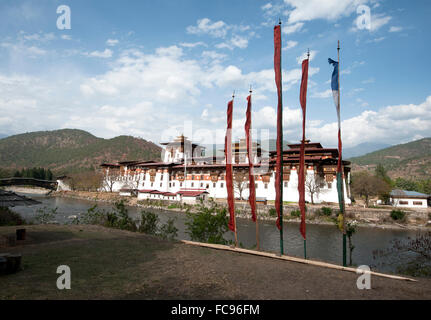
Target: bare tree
109 180
86 181
366 185
240 180
136 180
313 185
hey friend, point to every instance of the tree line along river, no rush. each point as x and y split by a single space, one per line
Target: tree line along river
324 242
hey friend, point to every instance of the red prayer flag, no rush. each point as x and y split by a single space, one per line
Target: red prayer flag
252 188
229 178
301 173
277 69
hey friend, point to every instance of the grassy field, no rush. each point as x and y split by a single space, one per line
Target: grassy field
114 264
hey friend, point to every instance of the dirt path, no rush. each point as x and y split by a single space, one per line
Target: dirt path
113 264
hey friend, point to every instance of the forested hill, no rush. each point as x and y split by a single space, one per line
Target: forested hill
70 150
411 160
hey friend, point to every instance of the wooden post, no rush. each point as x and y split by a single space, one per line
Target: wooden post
20 234
12 264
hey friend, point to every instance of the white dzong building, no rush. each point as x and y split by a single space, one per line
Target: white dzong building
186 172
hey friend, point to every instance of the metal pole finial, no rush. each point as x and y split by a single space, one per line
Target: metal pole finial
308 53
233 94
250 90
279 20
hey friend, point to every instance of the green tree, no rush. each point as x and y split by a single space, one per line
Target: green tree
404 184
381 173
49 175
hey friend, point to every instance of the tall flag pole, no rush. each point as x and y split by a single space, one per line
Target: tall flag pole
301 176
229 177
252 188
279 163
335 84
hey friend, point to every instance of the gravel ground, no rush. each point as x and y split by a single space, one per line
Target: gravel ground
114 264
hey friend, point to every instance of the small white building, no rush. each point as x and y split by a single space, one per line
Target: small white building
186 196
409 199
128 192
63 183
193 196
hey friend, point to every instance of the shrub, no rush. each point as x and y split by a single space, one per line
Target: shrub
123 221
411 256
10 218
398 215
93 216
45 215
117 218
326 211
295 213
149 222
174 206
272 212
149 225
207 224
168 231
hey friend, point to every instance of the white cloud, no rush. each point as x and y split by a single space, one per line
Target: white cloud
290 44
267 6
66 37
193 44
23 50
289 29
216 29
204 115
271 12
266 116
235 42
163 76
214 56
395 29
376 40
355 91
112 42
318 9
368 81
376 22
101 54
362 103
322 95
42 37
304 56
391 125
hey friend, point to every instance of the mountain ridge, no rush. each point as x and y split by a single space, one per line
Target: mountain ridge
409 160
71 150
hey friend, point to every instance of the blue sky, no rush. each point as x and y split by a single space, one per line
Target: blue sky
144 68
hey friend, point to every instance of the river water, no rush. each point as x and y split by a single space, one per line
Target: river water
324 242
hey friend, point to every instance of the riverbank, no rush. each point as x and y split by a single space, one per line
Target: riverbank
114 264
369 217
